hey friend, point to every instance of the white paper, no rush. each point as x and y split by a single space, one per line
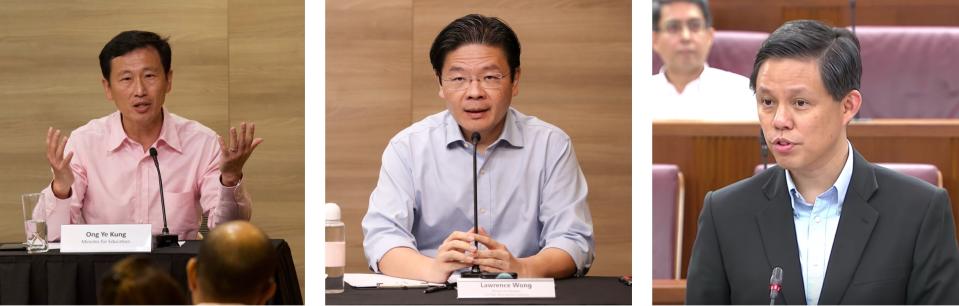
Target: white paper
476 288
368 280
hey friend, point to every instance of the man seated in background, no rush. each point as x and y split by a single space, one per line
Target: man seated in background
686 88
236 264
136 280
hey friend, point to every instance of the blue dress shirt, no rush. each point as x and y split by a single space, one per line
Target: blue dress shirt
816 228
531 191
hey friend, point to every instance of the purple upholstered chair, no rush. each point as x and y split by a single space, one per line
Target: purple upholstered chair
733 51
667 221
909 72
926 172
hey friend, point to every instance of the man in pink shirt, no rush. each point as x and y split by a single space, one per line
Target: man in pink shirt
104 174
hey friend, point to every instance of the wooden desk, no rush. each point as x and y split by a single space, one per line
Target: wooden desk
713 155
669 291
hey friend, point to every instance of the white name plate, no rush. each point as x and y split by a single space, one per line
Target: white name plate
105 238
476 288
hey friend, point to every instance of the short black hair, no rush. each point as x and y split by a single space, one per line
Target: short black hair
475 29
127 41
658 11
835 49
232 269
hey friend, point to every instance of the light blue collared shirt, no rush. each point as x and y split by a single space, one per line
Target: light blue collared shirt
816 228
531 191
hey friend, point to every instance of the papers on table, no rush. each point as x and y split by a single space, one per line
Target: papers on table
367 280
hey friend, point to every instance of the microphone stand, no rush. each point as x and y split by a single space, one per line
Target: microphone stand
474 272
164 239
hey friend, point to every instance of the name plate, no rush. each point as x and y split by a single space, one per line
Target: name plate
105 238
476 288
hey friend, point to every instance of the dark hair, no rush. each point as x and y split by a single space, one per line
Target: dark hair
136 280
475 29
127 41
835 49
249 262
658 10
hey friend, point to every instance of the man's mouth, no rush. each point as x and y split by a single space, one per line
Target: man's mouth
141 107
783 145
475 113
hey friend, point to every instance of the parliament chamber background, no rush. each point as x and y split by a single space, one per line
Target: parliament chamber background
576 63
233 61
908 102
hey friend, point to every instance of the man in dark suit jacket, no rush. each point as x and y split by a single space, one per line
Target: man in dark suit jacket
843 230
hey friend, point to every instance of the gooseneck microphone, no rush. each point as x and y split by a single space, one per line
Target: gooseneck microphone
164 239
475 270
775 284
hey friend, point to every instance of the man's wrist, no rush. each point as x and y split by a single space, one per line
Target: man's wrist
61 192
230 179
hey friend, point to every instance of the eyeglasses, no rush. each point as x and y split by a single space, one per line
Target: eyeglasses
675 27
458 82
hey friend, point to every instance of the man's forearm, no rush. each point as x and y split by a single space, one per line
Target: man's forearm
550 262
408 263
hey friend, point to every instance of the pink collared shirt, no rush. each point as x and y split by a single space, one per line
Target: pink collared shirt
116 180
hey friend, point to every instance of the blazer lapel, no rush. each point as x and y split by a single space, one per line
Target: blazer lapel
856 223
778 231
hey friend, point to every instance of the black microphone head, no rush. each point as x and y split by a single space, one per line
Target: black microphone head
153 152
475 138
777 276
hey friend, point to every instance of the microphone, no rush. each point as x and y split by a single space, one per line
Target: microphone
164 239
775 284
763 148
475 270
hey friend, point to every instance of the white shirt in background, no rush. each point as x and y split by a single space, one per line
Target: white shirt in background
717 95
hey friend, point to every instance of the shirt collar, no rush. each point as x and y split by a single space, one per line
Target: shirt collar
841 184
168 132
511 134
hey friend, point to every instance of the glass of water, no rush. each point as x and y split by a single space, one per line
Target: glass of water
35 228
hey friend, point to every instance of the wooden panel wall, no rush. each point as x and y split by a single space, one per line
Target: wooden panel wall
713 155
367 102
267 87
768 15
576 75
226 71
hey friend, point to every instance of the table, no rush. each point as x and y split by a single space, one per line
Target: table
583 290
74 278
712 155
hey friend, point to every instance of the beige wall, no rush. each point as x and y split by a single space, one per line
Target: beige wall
576 75
233 61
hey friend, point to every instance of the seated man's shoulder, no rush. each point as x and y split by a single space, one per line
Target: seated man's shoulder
421 129
533 124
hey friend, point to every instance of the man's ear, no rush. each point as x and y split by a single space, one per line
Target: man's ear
851 105
191 274
268 292
106 89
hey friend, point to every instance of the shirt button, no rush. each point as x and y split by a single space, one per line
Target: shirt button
818 219
482 171
482 210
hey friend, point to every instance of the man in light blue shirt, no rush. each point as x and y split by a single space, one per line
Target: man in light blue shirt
533 215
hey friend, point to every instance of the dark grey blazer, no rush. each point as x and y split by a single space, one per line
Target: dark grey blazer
895 243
